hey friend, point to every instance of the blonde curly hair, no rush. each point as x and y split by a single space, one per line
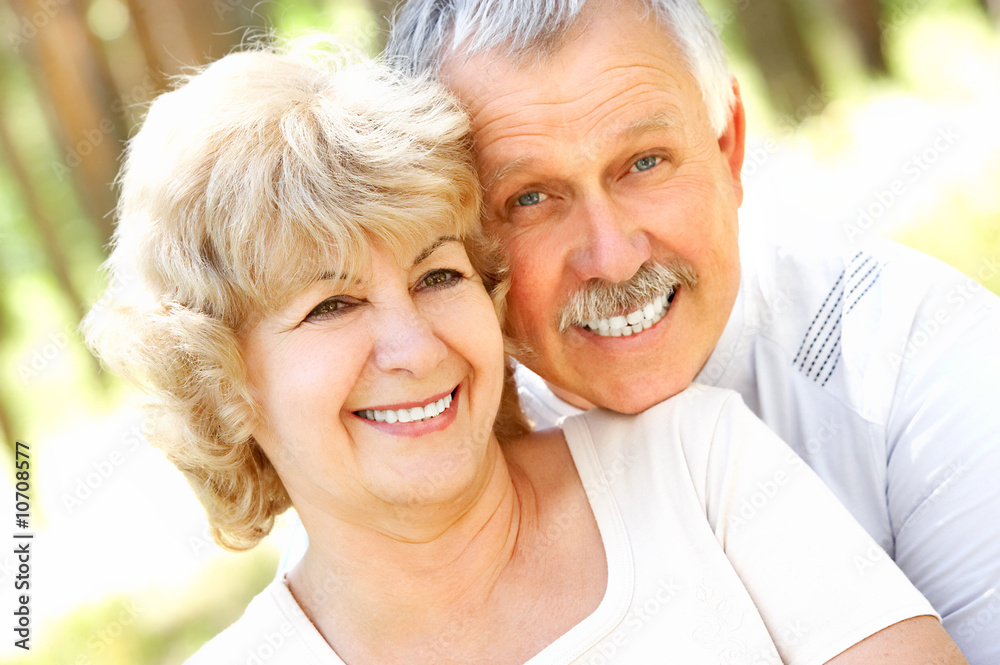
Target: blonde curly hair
255 176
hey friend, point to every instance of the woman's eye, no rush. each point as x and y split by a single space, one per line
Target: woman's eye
530 198
328 308
440 278
645 164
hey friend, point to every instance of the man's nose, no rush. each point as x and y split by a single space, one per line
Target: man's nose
407 341
611 247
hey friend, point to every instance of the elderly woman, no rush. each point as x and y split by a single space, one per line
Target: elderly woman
315 312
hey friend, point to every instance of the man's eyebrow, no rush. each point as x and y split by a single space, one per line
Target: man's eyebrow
431 247
657 122
494 176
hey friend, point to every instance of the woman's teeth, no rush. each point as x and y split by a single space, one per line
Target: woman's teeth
412 415
633 322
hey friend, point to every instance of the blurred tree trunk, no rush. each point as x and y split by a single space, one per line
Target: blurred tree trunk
41 221
992 7
6 427
182 33
862 17
775 39
70 70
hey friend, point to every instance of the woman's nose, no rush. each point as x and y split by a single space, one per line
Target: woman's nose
406 340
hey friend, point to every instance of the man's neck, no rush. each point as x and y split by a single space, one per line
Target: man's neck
570 398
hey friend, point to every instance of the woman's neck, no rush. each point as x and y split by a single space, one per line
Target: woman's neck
425 571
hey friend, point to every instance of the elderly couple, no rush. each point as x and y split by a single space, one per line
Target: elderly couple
321 298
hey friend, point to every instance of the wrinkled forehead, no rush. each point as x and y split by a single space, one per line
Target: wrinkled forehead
601 90
603 49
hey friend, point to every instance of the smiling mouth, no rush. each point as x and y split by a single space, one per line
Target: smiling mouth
633 322
412 415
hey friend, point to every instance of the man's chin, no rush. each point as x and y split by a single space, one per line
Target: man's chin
630 398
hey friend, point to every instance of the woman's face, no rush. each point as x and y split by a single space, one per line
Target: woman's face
381 391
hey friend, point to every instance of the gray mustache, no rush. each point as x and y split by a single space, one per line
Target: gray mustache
600 299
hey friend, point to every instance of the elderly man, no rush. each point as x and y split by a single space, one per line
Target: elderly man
610 139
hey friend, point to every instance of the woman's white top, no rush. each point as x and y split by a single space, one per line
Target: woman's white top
722 547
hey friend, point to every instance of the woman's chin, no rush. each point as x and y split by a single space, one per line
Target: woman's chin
431 481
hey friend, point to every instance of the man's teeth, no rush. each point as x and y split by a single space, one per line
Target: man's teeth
633 322
412 415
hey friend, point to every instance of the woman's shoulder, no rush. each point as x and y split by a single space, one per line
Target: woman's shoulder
273 629
687 419
544 456
684 439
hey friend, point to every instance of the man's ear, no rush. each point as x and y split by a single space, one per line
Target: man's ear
732 142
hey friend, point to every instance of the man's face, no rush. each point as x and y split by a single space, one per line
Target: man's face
598 162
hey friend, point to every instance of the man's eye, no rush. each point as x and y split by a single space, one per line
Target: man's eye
530 198
645 163
440 278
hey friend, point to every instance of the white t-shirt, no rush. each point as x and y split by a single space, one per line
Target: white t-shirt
722 547
881 368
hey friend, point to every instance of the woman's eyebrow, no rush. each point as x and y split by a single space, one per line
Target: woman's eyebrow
332 276
434 245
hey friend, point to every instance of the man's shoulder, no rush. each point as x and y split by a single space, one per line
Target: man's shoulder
848 320
807 268
807 296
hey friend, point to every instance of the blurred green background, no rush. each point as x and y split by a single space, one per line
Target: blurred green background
866 119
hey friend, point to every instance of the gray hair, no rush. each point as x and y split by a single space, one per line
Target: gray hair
426 32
